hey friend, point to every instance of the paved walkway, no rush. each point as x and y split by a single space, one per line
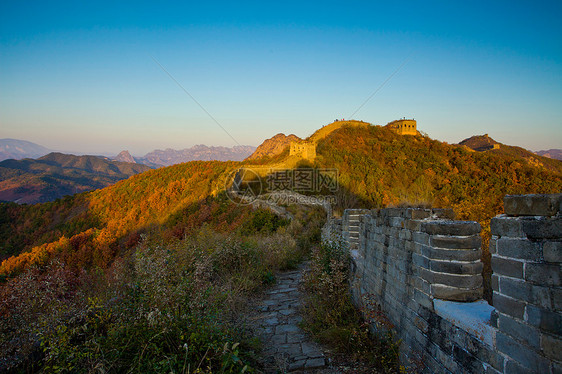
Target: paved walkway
286 346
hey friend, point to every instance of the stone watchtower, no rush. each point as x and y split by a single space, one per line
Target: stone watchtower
403 126
306 150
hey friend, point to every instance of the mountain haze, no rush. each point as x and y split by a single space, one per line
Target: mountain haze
198 153
168 157
551 153
18 149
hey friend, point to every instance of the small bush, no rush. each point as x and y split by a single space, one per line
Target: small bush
331 317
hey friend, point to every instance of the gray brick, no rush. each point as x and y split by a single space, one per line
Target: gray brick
519 330
457 267
413 224
443 213
525 356
552 251
543 274
508 305
396 222
415 213
507 266
423 299
421 237
513 367
393 212
405 235
532 205
521 290
461 281
420 260
506 226
467 361
551 346
421 284
546 320
542 228
456 242
443 292
458 228
557 299
451 254
519 248
478 349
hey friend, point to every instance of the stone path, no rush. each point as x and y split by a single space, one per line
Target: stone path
286 346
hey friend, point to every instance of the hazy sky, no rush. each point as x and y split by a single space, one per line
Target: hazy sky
81 78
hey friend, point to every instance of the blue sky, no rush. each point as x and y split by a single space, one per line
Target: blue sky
81 77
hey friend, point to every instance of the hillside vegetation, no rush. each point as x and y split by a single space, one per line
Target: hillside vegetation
483 143
91 228
380 168
147 275
56 175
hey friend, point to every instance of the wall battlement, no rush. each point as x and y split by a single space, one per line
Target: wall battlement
304 149
403 126
423 271
307 148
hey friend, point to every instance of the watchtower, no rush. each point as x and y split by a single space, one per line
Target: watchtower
403 126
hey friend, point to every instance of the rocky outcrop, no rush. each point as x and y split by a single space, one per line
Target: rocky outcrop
125 156
273 146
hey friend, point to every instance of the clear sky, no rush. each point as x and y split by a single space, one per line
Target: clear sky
81 78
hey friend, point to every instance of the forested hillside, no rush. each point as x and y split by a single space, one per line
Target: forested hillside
91 227
380 168
56 175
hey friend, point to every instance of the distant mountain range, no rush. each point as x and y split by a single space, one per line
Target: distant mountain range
551 153
168 157
56 175
18 149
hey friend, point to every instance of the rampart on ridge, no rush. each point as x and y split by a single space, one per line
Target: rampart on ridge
422 269
306 149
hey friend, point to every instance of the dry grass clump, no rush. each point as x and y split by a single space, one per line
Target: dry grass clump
332 319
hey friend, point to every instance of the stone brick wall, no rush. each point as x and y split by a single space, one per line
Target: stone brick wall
526 249
423 271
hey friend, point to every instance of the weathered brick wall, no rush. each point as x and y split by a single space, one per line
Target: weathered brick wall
526 249
423 271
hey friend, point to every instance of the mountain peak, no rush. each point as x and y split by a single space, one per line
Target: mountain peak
18 149
480 143
125 156
273 146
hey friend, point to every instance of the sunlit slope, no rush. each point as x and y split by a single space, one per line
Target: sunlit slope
93 226
381 168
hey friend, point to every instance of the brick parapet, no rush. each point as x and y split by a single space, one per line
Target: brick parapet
526 248
423 270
